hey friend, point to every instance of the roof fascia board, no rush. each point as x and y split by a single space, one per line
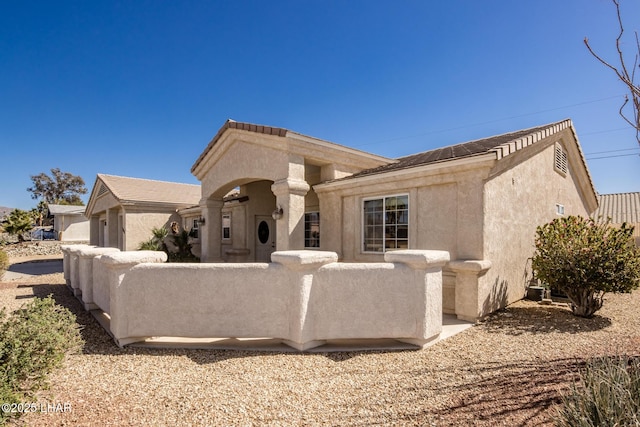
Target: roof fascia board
585 171
92 200
483 160
295 144
337 148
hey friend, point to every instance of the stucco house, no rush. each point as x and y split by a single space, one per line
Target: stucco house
122 211
69 222
480 201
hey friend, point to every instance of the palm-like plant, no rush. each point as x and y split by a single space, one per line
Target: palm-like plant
156 242
17 223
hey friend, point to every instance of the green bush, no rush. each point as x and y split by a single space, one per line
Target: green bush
4 263
585 260
156 242
608 394
33 341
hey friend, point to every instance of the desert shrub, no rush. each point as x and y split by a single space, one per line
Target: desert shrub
4 263
585 260
156 242
607 394
179 239
33 341
183 254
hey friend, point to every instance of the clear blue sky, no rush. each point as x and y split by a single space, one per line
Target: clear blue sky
138 88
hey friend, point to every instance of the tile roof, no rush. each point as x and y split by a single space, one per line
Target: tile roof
620 207
502 145
127 189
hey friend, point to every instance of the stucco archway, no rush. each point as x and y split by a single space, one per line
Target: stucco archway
243 163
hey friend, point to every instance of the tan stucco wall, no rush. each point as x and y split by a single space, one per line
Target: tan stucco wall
302 297
445 211
522 194
138 226
243 161
70 228
104 202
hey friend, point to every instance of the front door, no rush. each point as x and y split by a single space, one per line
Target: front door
265 238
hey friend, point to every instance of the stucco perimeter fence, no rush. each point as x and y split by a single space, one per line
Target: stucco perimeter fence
303 298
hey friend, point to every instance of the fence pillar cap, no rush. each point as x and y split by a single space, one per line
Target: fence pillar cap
90 251
121 259
477 266
74 248
304 260
418 259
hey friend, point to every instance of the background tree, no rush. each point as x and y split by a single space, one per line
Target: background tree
17 223
59 188
626 72
585 260
39 213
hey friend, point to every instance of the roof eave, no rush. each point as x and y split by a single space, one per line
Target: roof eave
485 159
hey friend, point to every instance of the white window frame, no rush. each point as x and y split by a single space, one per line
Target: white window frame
559 209
384 223
225 224
306 222
196 227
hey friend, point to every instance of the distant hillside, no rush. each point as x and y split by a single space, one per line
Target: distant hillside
4 211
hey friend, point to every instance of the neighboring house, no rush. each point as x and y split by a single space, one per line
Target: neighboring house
620 208
69 223
122 211
481 201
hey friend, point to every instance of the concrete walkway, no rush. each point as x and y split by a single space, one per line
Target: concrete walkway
27 268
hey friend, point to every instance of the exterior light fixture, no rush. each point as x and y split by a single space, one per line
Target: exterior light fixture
277 214
201 220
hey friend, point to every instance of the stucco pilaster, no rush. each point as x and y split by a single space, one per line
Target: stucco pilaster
330 221
468 291
211 230
290 194
470 218
94 230
112 228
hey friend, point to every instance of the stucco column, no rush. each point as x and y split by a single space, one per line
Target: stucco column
331 221
94 230
427 288
290 194
117 265
112 227
468 288
85 273
211 231
301 266
470 218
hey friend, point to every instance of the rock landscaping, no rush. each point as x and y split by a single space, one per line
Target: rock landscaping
34 248
510 369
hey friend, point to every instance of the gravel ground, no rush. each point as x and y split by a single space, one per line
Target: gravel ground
508 370
35 248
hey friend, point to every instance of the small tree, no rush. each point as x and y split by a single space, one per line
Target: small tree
626 72
17 223
585 260
59 188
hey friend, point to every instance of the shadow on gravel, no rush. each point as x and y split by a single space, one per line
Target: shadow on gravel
518 394
542 320
37 268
